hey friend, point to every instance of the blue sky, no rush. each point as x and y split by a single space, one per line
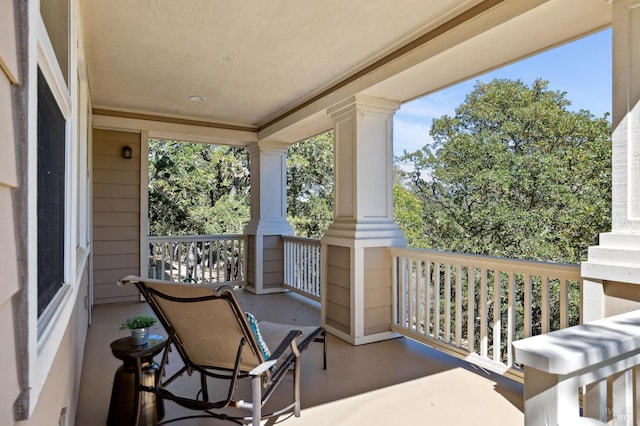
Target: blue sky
581 68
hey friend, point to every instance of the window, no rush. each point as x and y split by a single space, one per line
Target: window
51 195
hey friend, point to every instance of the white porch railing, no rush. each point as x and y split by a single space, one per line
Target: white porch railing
476 306
199 258
302 266
601 356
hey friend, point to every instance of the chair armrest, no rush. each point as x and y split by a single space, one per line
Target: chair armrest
128 279
263 367
286 342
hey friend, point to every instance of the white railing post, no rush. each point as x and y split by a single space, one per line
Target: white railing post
549 400
559 363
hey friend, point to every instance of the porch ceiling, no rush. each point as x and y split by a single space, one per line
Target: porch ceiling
275 66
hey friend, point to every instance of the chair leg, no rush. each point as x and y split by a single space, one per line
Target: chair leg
256 400
137 400
296 385
203 387
323 338
324 349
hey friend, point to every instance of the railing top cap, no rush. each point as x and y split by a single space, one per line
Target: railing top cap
575 348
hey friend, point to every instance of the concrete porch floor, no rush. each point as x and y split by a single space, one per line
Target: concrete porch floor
395 381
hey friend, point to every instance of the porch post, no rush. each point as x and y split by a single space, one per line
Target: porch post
612 270
356 265
268 217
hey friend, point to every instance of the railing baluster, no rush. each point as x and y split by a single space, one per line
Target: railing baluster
471 329
447 303
544 304
436 301
420 320
526 286
218 260
164 262
307 269
413 283
428 297
210 254
497 325
234 263
402 291
458 306
287 262
484 337
564 302
180 261
511 315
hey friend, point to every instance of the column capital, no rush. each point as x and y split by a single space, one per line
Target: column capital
274 147
363 102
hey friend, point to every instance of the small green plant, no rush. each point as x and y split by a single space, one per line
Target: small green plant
139 321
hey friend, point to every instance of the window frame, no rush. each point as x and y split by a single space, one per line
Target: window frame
45 333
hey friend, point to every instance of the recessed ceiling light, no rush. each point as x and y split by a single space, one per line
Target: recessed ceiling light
197 98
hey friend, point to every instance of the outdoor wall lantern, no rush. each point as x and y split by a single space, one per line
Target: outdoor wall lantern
127 152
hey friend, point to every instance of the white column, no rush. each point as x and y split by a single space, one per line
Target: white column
356 277
617 257
363 133
268 216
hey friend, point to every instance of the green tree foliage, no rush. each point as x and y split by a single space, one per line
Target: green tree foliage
408 214
514 173
197 188
310 185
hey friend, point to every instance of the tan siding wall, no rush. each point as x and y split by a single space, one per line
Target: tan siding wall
620 298
338 293
8 181
63 382
251 261
116 215
377 290
273 258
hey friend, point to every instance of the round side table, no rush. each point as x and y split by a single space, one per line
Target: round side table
124 393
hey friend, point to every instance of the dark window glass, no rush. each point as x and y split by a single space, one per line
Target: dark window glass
51 149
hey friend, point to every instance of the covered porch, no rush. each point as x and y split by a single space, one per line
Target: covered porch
264 76
395 381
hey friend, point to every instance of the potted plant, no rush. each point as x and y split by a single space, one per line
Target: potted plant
139 326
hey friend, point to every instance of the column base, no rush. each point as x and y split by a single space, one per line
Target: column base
271 226
617 258
361 340
381 234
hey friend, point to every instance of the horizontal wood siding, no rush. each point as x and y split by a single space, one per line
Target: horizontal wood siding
8 222
273 262
116 215
338 290
377 290
251 261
